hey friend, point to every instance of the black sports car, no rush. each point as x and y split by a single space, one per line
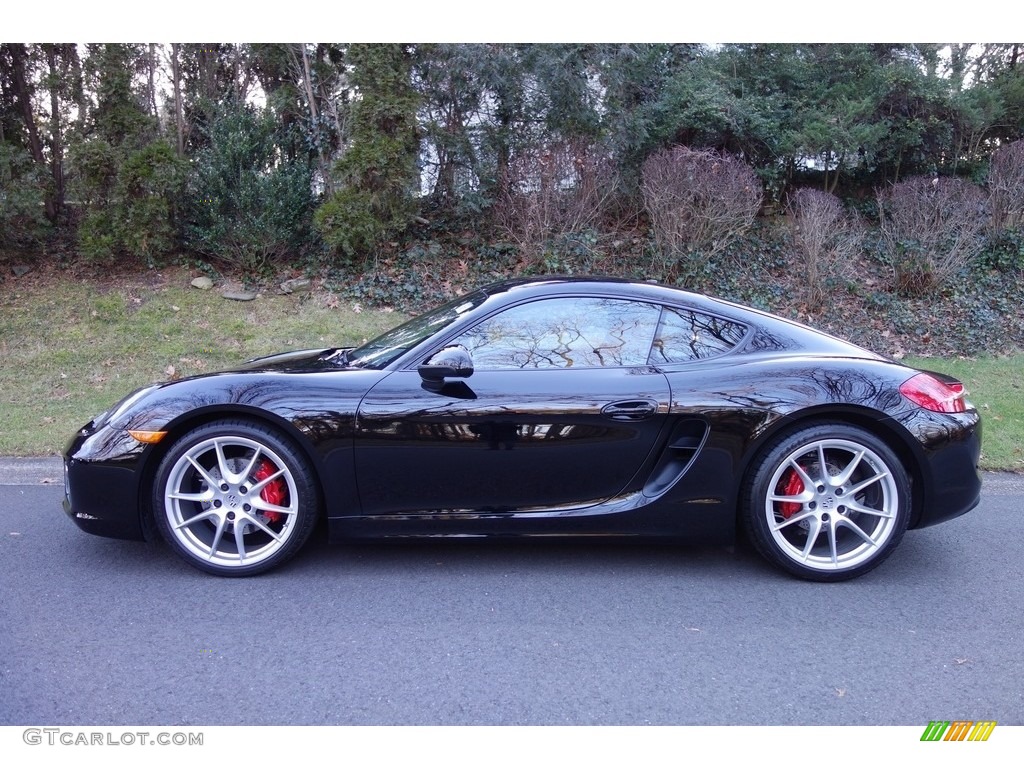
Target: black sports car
541 407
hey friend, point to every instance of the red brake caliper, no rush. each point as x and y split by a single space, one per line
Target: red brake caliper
274 492
791 485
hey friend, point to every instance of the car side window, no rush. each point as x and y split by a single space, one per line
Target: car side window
584 332
684 336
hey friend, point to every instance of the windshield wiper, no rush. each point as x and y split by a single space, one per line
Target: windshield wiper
338 356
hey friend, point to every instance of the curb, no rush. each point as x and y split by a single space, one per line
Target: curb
1002 484
38 471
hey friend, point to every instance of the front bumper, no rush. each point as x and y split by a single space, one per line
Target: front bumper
101 483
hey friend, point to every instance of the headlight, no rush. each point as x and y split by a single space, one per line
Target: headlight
124 405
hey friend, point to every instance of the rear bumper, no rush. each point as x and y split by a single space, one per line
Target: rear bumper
952 451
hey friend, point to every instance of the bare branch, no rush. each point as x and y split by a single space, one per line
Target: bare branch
699 202
932 229
561 190
1006 186
825 236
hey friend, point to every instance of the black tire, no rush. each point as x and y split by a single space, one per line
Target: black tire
235 498
831 522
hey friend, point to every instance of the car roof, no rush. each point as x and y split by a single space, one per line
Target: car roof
553 285
559 284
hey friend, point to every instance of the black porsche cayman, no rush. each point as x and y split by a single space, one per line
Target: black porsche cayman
541 407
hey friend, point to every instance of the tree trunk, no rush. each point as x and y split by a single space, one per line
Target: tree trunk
958 58
179 112
307 78
70 53
152 81
208 61
504 151
56 137
243 74
323 164
19 53
444 189
835 176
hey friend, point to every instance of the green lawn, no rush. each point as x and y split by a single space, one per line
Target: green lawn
70 348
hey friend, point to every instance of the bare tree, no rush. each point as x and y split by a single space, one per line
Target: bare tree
699 202
560 190
1006 186
826 238
932 229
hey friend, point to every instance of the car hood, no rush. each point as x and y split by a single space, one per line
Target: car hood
294 386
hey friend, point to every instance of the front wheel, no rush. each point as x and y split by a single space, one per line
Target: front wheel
827 503
234 498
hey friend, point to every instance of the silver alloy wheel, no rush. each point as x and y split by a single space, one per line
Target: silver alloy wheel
231 501
832 505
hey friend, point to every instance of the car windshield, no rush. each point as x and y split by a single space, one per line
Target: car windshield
389 346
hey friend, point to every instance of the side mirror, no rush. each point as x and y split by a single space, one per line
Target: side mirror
452 362
441 372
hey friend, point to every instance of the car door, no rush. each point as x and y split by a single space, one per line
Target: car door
561 410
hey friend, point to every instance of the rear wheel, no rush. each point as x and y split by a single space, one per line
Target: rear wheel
827 503
235 498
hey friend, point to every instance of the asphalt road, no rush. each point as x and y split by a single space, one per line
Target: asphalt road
460 632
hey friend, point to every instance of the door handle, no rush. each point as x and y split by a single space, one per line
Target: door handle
630 410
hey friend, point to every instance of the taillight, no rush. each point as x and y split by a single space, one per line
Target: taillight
933 394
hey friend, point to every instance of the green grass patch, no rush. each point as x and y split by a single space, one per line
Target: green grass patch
70 349
996 387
